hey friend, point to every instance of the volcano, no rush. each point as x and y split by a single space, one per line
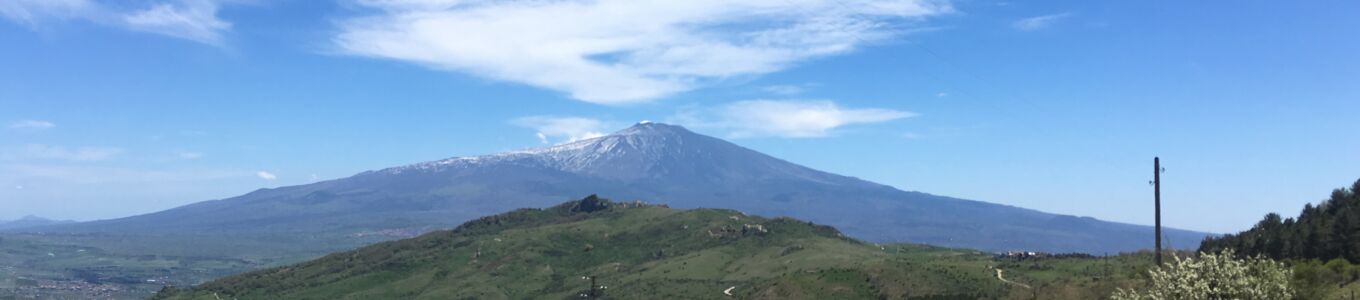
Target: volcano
652 162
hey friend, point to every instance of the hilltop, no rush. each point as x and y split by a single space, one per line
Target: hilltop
641 251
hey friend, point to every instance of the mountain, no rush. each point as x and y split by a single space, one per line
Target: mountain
642 251
30 221
652 161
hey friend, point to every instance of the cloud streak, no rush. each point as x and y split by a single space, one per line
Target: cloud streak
48 152
266 175
83 174
621 51
789 119
186 155
32 12
1040 22
562 129
32 124
193 20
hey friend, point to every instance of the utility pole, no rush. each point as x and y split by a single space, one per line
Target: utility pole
594 291
1157 203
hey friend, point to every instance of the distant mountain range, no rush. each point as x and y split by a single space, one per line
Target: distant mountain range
654 162
30 221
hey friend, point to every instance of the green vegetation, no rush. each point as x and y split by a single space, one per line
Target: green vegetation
1321 245
639 251
1327 231
1215 276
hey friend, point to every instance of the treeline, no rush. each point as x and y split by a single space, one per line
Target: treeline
1324 232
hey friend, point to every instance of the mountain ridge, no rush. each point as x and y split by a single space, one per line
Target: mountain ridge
30 221
651 161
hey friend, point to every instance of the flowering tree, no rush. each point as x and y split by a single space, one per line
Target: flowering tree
1215 276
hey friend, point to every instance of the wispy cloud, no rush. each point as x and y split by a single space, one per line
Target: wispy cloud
85 174
266 175
32 12
194 20
186 155
562 129
48 152
622 51
1040 22
784 89
792 119
32 124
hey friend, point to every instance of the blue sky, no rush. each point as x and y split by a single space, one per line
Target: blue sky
119 108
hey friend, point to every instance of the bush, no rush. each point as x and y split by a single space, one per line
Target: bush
1343 270
1215 276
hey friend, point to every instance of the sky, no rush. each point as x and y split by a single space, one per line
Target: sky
116 108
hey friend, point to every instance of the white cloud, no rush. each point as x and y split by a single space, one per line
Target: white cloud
80 154
266 175
621 51
194 20
941 95
784 89
32 124
1040 22
793 119
30 12
566 129
185 155
84 174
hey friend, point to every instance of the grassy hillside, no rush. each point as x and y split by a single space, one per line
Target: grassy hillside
639 251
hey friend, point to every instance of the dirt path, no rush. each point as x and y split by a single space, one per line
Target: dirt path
1003 279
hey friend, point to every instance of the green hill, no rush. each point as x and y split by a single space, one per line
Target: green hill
1322 244
1327 231
640 251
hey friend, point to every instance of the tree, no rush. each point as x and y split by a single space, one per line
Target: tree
1215 276
1328 230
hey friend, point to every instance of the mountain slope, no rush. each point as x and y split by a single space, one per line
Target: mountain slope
640 251
658 162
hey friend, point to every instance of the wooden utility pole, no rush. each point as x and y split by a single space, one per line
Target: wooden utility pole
1157 203
594 292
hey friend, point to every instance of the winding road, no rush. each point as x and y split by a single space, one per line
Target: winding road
1003 279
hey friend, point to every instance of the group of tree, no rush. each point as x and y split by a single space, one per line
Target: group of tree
1327 231
1215 276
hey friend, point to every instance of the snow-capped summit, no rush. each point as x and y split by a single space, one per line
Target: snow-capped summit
644 150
